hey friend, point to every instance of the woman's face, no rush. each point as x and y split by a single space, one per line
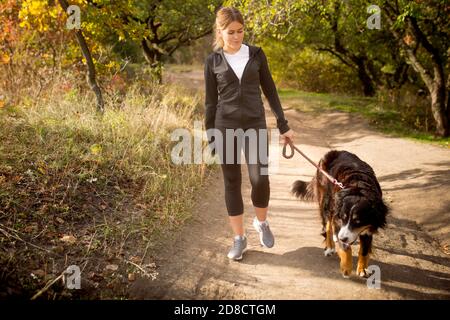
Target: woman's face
232 36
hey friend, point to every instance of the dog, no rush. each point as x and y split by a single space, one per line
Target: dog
355 212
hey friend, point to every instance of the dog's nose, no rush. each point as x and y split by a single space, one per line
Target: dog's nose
344 239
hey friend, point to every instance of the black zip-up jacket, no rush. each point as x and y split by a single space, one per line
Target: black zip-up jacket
231 104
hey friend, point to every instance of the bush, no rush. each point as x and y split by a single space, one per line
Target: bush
310 70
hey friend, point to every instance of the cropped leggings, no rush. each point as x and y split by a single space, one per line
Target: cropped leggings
254 143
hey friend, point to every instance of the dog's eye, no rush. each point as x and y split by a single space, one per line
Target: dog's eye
357 221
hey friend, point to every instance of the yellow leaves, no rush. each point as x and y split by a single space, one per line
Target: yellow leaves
112 65
42 170
121 34
53 13
36 7
41 167
38 14
96 149
25 24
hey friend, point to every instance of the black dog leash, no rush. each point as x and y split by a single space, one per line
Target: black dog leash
293 148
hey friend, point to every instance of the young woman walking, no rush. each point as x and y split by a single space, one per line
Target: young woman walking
234 72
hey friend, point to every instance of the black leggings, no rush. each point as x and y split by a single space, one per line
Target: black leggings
256 156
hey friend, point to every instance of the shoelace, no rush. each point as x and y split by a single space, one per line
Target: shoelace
264 227
236 243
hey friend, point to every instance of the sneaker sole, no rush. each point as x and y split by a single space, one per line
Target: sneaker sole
260 235
238 258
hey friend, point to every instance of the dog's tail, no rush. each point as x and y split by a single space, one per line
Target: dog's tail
304 190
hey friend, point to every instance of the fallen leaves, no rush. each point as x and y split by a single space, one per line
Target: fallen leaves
31 228
112 267
59 220
131 277
69 239
39 273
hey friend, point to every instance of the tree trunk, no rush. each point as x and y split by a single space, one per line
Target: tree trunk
447 89
448 105
368 87
436 87
358 62
153 57
435 80
438 107
91 76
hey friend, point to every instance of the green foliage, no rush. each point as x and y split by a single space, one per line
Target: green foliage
309 70
397 117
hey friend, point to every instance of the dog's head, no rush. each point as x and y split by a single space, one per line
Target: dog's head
357 211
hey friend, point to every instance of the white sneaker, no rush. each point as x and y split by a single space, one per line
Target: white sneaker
239 247
265 235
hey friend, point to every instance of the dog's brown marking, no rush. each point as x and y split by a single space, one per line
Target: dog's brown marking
346 261
329 236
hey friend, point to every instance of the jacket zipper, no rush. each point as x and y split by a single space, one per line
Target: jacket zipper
242 77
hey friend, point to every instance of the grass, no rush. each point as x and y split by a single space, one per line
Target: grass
180 68
386 118
105 182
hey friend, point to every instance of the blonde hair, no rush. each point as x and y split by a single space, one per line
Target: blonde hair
224 17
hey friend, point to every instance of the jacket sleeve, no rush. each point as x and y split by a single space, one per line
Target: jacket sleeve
270 91
210 99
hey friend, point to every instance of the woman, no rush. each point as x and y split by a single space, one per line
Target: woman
234 73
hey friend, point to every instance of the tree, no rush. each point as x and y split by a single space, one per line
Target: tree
334 27
160 27
422 31
47 18
91 75
413 33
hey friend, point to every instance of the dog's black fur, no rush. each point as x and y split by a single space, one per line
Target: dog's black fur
358 210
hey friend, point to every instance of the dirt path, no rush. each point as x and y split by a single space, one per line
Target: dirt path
415 179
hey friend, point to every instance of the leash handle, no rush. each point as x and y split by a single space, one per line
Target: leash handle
294 148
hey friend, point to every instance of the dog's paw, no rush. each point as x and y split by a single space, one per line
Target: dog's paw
363 273
346 270
346 273
329 252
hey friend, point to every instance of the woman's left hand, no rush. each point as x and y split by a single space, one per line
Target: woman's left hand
288 135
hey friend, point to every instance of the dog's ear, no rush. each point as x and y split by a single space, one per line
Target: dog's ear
379 211
362 205
339 199
340 195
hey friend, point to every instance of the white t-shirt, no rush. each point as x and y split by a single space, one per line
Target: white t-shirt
238 60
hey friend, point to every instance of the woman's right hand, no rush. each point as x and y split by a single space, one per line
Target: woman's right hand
287 136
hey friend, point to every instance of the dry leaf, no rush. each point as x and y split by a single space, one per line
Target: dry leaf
30 228
40 273
112 267
69 239
135 259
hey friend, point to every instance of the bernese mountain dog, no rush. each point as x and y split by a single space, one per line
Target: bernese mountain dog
355 212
